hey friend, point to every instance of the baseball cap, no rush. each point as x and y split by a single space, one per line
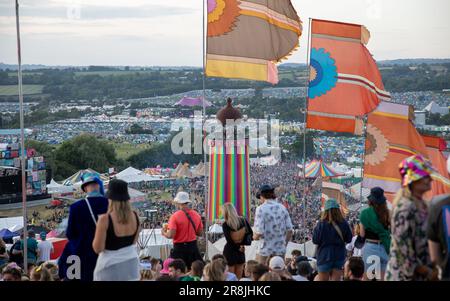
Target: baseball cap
277 263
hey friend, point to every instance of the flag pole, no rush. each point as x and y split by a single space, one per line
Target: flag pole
206 186
22 144
363 162
305 130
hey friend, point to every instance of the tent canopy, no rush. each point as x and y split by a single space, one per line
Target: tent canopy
356 191
317 168
75 179
216 229
55 187
192 102
133 175
11 223
6 234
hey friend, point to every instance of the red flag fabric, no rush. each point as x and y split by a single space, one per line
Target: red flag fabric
344 79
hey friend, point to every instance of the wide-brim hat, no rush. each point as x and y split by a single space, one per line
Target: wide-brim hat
89 178
415 168
377 195
182 198
266 188
331 204
118 191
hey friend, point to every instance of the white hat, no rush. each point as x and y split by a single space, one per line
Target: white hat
182 198
277 263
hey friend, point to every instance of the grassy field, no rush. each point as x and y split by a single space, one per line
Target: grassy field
11 74
107 73
125 150
9 90
292 75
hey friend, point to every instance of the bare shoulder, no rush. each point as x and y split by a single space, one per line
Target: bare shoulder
103 219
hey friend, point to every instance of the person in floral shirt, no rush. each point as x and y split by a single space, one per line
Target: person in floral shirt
409 257
272 225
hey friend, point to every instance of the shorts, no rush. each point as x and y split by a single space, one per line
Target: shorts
371 252
329 266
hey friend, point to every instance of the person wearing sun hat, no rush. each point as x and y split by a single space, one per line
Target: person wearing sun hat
81 225
438 232
184 226
409 256
331 234
375 230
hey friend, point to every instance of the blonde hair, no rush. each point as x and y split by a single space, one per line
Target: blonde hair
215 270
122 210
403 192
332 215
146 275
231 217
41 273
270 276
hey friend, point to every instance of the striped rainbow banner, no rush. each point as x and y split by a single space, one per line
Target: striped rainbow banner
229 178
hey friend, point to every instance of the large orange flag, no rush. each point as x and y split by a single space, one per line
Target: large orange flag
246 39
344 79
435 146
391 138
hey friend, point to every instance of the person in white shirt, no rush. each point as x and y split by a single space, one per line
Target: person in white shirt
272 225
45 248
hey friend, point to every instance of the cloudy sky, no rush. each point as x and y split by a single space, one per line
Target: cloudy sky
169 32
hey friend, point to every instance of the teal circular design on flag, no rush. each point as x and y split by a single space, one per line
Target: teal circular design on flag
323 73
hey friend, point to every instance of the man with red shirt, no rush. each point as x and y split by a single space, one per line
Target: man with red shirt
184 227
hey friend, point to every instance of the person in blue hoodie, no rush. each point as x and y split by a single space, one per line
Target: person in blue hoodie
331 234
81 226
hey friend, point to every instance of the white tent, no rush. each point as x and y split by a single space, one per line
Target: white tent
434 108
11 223
55 187
216 229
136 195
356 191
176 170
152 243
184 172
133 175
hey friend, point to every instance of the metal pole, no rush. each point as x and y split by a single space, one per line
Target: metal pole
304 134
22 144
205 179
363 163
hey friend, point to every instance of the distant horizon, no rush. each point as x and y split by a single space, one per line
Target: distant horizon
200 66
170 32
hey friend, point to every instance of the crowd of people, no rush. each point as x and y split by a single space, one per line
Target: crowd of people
407 242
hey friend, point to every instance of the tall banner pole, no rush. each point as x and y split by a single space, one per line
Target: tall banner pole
363 163
22 144
304 132
205 178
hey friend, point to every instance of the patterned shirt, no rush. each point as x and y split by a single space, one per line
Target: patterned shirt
409 247
272 221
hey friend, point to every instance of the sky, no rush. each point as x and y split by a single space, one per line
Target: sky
169 32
